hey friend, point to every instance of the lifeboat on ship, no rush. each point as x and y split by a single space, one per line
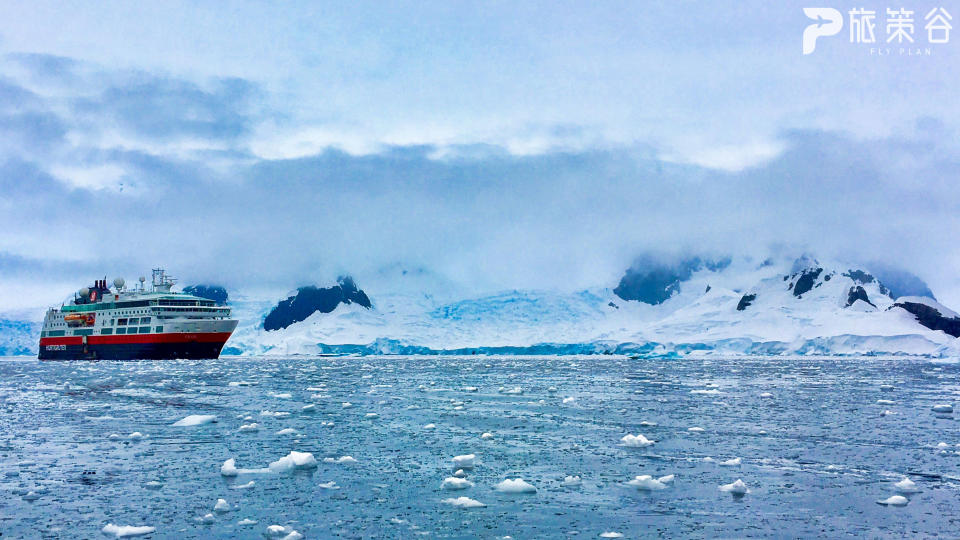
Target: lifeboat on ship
80 319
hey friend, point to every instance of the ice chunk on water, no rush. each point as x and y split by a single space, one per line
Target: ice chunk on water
282 396
516 390
153 484
454 483
486 436
648 424
886 402
346 404
292 461
221 506
649 483
459 473
371 415
207 519
635 441
229 469
896 500
712 392
906 486
464 502
248 485
245 522
571 481
328 485
283 533
345 460
125 531
611 534
136 436
766 395
736 488
250 427
430 426
569 399
309 408
195 420
730 462
516 486
287 431
942 408
696 430
464 462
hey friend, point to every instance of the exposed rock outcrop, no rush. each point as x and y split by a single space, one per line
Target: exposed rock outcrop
310 300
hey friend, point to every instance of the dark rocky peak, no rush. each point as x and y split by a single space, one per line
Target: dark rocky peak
805 280
653 282
857 292
745 301
930 316
310 300
216 293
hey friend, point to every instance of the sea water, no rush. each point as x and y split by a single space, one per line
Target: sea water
815 442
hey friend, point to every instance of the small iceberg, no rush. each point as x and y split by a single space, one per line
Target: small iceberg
486 436
766 395
153 484
572 481
346 404
136 436
464 462
287 431
886 402
649 483
195 420
635 441
942 408
463 502
250 427
294 461
283 533
206 519
712 392
221 506
696 430
248 485
126 531
344 460
511 391
229 469
371 415
896 500
730 462
430 426
906 486
308 408
246 522
569 400
516 486
611 534
328 485
459 473
453 483
736 488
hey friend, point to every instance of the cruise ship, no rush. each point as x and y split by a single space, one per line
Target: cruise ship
101 323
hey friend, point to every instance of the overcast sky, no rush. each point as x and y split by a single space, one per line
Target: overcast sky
498 144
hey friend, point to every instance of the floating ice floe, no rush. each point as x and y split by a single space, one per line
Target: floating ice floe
696 430
346 404
454 483
516 486
308 408
635 441
513 391
896 500
649 483
906 486
195 420
275 414
766 395
571 481
371 415
611 534
246 522
430 426
153 484
886 387
886 413
942 408
464 462
730 462
248 485
282 396
708 459
250 427
229 469
711 392
648 424
283 533
344 460
136 436
470 389
287 431
736 488
886 402
126 531
206 519
328 485
221 506
240 383
293 461
463 502
486 436
459 473
569 399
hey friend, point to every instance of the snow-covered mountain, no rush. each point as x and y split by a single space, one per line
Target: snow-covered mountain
736 306
693 306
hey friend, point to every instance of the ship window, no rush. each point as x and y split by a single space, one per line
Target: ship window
144 329
122 322
106 331
144 320
55 333
121 330
159 329
83 332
